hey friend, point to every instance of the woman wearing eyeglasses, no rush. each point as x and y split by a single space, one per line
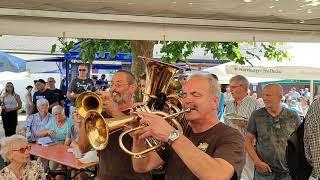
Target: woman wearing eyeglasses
15 149
10 103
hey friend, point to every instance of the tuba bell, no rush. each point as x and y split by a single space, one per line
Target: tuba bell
158 78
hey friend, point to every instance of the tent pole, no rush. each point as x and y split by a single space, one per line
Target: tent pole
66 107
311 91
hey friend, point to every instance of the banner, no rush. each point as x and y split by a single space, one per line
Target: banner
280 72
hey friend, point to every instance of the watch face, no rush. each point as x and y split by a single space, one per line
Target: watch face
173 135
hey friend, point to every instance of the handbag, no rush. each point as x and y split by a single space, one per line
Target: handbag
3 112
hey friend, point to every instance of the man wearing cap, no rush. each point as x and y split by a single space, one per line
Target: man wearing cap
43 93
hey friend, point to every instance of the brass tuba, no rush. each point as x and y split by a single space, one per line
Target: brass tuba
156 100
158 78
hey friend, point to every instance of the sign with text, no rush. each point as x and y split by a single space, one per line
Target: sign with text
279 72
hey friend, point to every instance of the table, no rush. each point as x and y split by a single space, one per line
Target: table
58 153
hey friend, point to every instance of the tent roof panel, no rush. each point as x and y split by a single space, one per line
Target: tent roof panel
203 20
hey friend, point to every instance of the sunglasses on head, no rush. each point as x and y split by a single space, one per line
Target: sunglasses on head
23 150
82 70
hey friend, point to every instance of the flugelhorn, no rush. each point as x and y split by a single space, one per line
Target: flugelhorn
98 129
152 144
88 101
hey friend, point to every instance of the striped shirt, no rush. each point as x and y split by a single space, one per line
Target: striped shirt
246 107
312 136
34 124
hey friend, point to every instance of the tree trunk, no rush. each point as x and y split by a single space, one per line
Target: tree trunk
140 48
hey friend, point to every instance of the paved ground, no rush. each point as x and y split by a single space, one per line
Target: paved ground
21 120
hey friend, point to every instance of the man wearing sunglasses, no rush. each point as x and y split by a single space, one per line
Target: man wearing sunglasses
79 85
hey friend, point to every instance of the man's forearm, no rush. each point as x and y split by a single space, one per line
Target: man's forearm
201 164
43 133
251 151
141 164
84 145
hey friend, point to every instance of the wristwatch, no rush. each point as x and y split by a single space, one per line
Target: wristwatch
173 135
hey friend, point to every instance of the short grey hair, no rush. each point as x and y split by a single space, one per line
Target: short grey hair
58 109
243 80
7 143
277 86
130 77
214 84
42 101
51 78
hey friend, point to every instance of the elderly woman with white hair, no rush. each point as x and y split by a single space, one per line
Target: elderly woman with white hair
37 122
15 149
58 128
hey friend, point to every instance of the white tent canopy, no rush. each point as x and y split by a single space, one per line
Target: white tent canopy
205 20
304 65
224 77
9 76
280 72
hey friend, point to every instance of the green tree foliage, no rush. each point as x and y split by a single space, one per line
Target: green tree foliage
173 51
89 47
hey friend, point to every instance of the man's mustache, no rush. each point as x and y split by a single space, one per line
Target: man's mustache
191 106
114 93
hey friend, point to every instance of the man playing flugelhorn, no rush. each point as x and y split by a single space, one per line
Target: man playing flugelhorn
208 149
114 164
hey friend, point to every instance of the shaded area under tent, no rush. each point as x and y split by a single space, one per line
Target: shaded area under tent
67 66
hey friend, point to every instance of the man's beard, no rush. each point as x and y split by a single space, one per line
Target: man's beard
119 99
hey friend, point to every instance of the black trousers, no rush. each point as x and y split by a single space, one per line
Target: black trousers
10 121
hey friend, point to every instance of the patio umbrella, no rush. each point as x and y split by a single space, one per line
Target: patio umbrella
11 63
